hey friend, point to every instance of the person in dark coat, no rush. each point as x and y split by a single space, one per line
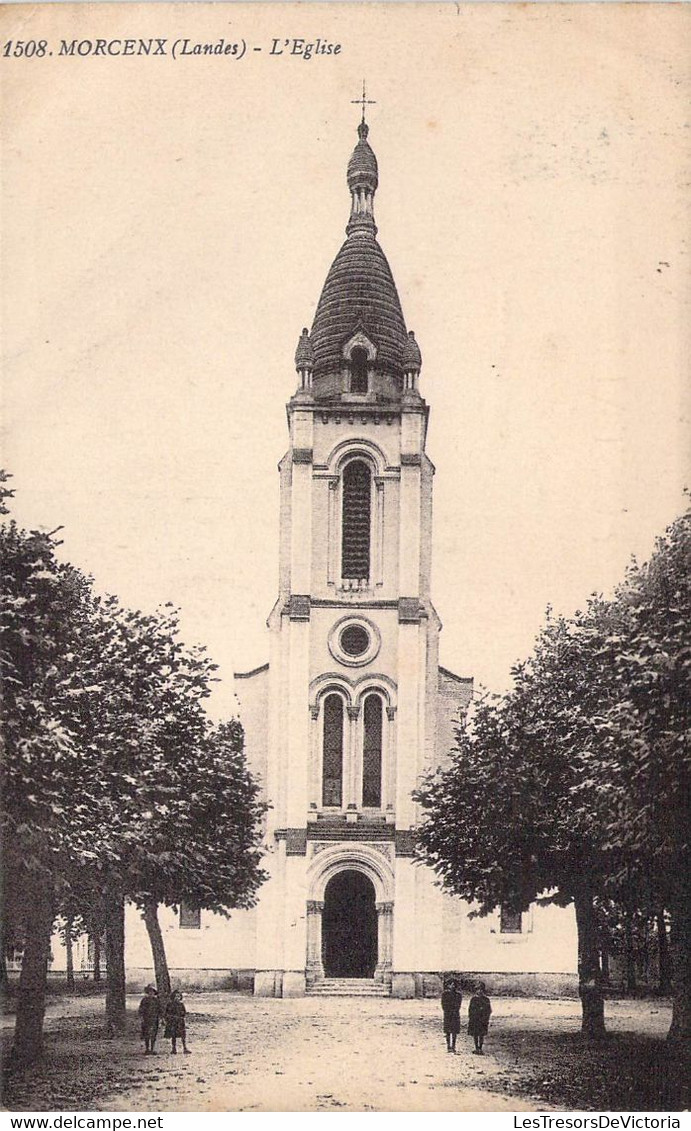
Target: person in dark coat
451 999
479 1010
175 1022
150 1015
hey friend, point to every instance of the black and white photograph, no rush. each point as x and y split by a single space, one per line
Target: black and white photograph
346 547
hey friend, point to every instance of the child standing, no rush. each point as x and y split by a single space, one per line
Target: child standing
479 1010
451 1008
150 1015
175 1022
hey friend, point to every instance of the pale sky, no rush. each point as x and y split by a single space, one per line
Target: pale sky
168 225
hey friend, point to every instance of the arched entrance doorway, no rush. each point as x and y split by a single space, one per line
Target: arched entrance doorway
349 926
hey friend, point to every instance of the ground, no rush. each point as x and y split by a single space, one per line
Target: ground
350 1054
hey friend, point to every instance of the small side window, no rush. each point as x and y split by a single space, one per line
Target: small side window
190 917
510 922
358 371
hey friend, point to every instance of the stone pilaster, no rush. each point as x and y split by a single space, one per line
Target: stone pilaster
315 967
384 937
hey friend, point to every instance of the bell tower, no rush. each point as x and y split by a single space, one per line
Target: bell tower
350 698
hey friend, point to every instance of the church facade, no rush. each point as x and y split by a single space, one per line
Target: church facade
353 706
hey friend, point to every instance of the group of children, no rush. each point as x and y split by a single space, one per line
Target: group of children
479 1010
150 1014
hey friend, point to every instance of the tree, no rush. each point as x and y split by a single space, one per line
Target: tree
172 779
520 763
640 763
664 961
209 789
577 781
626 928
42 619
169 779
134 704
68 932
500 826
113 781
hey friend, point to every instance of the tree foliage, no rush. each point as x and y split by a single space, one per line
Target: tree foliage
115 783
575 783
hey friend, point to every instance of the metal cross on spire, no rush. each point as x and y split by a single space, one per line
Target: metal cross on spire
364 101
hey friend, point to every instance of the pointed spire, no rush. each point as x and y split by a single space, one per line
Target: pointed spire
359 292
412 364
412 358
304 359
363 178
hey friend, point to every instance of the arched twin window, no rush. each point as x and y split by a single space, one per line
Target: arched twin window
333 730
356 521
372 752
332 763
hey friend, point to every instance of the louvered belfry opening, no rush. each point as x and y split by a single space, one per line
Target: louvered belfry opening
358 371
355 550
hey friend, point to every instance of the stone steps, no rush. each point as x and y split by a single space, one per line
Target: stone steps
349 987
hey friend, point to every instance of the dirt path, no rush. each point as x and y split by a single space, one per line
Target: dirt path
335 1054
306 1055
332 1054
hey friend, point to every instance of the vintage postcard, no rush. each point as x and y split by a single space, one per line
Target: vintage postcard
276 276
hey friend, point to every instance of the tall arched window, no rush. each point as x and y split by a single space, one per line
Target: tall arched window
332 758
372 752
358 371
355 544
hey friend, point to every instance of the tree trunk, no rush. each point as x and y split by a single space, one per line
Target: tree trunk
629 953
589 975
96 940
158 950
664 960
31 998
604 943
116 1008
69 955
4 980
680 949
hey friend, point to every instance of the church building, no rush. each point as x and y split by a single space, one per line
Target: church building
353 706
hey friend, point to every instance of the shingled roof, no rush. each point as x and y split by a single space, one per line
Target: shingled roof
359 292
